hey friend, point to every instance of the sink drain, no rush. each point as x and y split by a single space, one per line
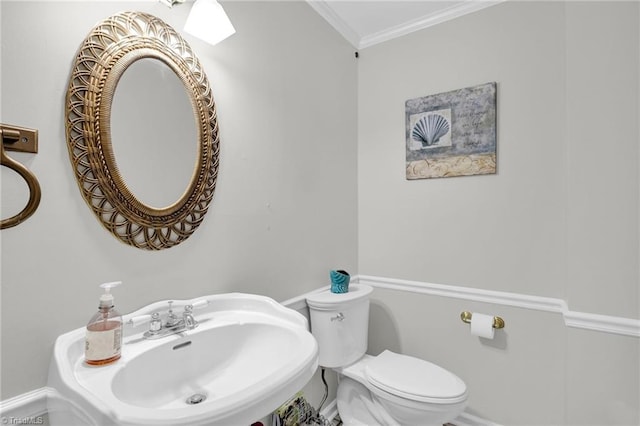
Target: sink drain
196 398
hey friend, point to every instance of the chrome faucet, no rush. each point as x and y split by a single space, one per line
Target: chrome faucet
172 319
173 323
187 318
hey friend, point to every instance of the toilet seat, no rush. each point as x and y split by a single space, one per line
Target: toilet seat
414 379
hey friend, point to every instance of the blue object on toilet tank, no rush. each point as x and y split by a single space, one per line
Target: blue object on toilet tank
339 281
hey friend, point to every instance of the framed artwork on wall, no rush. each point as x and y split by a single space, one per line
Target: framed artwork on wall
452 133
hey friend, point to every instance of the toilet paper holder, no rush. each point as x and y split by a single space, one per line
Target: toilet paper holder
465 316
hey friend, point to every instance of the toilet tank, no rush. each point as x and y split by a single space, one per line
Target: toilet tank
340 324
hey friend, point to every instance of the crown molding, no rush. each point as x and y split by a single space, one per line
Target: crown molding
426 21
322 7
324 10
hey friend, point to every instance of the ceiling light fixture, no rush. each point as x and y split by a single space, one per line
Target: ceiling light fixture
206 21
170 3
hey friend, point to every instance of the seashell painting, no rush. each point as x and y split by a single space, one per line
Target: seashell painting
452 133
429 129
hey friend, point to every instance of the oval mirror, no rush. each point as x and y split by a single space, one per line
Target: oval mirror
125 175
152 123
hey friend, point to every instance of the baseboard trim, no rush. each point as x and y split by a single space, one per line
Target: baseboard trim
28 407
466 419
330 412
584 320
25 407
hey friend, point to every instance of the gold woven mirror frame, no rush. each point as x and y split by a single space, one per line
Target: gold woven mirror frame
105 54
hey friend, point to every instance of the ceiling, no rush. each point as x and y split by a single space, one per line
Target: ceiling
367 22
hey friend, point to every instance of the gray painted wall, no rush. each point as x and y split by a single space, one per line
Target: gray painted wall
559 219
566 192
284 211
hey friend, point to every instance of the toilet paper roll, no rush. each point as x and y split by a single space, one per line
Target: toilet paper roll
482 325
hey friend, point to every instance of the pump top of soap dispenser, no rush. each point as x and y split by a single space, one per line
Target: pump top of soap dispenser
106 300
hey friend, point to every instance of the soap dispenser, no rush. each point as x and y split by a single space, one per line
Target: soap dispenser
103 343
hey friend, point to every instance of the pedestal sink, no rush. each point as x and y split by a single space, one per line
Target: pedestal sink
247 356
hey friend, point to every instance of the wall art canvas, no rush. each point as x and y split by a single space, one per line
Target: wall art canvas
452 133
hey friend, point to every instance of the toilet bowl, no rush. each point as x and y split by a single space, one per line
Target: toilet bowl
387 389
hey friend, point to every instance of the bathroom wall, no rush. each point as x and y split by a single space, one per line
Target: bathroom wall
284 211
560 219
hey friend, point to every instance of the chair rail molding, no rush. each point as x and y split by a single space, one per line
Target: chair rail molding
588 321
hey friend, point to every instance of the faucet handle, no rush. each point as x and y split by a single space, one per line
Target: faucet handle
156 323
200 303
172 319
187 316
139 320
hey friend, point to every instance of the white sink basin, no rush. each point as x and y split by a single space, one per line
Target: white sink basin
247 356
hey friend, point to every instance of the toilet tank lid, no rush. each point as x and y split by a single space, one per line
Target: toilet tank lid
414 379
327 300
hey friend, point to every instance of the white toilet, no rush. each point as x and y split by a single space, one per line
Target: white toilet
388 389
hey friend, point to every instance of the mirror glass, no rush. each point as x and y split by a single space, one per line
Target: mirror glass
153 132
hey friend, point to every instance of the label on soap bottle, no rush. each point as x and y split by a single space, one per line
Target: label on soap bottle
103 344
